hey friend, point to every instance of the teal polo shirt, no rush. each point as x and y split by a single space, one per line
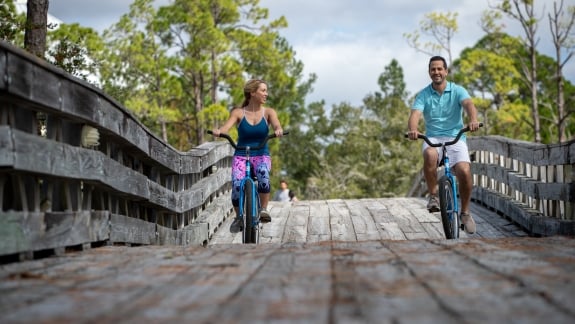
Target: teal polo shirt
443 114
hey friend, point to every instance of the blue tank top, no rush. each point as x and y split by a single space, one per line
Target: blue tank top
252 135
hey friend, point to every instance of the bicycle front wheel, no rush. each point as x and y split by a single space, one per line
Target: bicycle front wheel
449 217
249 214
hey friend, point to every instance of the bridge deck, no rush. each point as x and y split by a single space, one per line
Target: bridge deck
364 219
323 262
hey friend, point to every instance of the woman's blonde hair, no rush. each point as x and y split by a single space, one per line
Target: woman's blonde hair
251 86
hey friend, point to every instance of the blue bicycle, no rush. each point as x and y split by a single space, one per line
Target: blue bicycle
448 194
249 199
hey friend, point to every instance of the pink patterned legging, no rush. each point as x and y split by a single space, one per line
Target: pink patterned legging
261 164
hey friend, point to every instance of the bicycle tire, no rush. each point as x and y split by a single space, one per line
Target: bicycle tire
449 217
256 229
248 233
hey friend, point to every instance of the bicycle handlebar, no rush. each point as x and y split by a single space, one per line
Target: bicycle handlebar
455 140
235 146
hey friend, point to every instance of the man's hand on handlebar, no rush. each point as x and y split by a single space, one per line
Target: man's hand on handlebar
473 126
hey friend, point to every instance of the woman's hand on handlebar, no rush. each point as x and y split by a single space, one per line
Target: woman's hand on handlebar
216 132
412 134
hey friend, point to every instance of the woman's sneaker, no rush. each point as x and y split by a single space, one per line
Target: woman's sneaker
433 204
237 225
265 216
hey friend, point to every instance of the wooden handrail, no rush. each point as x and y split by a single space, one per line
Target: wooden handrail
531 183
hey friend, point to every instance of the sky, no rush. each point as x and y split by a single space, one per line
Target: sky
346 43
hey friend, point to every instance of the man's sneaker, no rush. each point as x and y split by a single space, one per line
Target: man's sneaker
433 204
237 225
468 223
265 216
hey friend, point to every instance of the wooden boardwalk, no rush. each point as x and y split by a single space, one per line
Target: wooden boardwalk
353 261
363 220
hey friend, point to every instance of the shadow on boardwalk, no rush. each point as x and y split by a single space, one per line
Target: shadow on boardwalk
371 280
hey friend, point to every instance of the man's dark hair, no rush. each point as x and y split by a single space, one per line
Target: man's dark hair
437 58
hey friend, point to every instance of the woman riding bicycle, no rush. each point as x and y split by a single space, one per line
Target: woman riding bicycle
252 120
442 103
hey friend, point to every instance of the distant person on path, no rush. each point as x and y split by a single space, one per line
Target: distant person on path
441 104
284 193
252 120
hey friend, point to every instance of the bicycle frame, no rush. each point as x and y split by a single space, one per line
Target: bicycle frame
251 217
449 208
248 180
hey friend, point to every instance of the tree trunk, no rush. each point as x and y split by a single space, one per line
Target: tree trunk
36 27
534 99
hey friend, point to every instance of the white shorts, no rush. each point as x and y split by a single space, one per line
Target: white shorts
457 152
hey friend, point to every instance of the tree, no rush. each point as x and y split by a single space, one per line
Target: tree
36 27
489 72
389 109
524 12
441 28
139 71
560 31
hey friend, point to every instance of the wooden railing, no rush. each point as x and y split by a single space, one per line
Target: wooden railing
532 184
60 188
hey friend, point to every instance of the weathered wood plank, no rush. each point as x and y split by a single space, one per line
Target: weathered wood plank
6 147
405 219
131 230
363 223
296 226
340 221
319 222
216 213
387 227
273 231
29 232
20 231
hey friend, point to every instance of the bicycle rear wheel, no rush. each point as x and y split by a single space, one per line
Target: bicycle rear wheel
248 233
449 217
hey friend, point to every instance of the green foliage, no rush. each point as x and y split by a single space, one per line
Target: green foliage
11 24
74 49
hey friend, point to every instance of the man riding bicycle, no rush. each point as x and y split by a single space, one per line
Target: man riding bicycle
442 103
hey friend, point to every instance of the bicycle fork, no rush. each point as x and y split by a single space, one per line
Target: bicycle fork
453 179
